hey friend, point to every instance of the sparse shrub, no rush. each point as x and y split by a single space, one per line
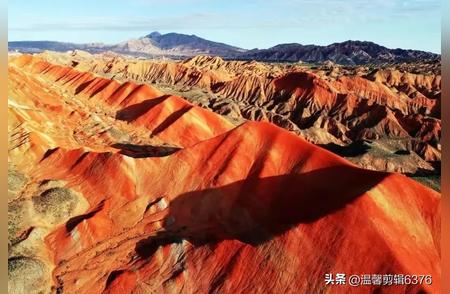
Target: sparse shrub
55 204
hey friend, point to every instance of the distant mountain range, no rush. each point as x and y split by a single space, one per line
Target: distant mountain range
347 53
175 45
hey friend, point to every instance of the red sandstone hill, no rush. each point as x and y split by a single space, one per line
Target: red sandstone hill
173 119
118 188
331 106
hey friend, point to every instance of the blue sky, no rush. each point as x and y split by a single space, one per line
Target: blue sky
410 24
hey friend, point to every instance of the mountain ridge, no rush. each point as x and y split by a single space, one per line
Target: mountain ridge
175 45
350 52
103 202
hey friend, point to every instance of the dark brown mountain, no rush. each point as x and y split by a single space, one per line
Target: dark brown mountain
346 53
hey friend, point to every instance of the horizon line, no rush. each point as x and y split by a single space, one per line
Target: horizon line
255 48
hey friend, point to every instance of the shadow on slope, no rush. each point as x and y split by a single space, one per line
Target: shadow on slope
256 210
142 151
134 111
354 149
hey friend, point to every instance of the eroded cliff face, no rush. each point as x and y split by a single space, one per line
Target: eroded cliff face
392 111
120 188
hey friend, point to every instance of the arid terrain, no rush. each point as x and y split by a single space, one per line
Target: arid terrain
205 175
381 118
